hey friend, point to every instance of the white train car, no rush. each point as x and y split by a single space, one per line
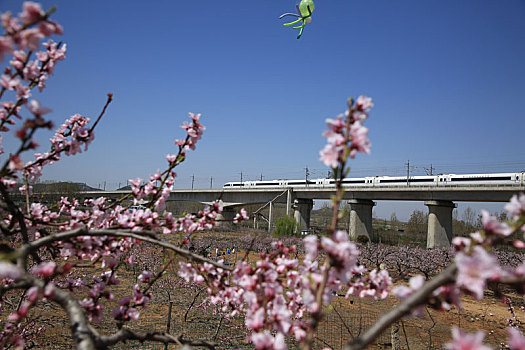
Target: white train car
481 179
390 181
499 179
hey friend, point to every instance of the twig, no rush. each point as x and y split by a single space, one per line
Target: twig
218 328
344 323
247 252
324 342
430 329
108 101
26 184
192 303
405 333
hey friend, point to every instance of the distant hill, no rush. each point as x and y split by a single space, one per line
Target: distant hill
62 187
325 211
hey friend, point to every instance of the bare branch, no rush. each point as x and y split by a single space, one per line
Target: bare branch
193 303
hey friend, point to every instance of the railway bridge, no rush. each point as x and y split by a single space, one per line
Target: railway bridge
299 202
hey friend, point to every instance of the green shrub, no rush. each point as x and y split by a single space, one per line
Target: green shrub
285 226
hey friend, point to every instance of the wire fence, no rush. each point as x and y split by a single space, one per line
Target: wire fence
343 321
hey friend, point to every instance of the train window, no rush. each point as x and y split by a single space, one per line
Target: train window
485 178
354 181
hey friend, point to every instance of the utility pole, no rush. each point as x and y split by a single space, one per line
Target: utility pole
430 170
261 176
104 185
306 174
211 182
192 180
241 176
408 171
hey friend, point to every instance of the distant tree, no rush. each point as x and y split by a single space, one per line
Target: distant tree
285 226
393 220
344 215
469 217
417 222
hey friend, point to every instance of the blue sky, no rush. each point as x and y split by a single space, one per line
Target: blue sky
447 78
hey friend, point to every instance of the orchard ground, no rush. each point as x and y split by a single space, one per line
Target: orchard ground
345 318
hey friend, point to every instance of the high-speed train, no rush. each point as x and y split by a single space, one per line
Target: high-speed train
516 179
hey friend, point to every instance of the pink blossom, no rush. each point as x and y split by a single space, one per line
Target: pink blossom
48 28
11 24
6 46
265 341
30 39
23 189
19 57
32 12
516 339
447 296
45 269
15 163
133 313
194 117
460 243
31 71
194 130
402 292
364 103
493 226
241 216
35 108
255 320
145 277
311 246
476 237
465 341
32 293
21 313
360 141
336 125
475 269
10 271
516 206
331 155
8 83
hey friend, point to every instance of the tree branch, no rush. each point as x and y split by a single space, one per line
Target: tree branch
145 236
418 298
103 342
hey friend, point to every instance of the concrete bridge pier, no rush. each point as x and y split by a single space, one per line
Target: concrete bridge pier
361 219
302 210
228 213
439 223
270 217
